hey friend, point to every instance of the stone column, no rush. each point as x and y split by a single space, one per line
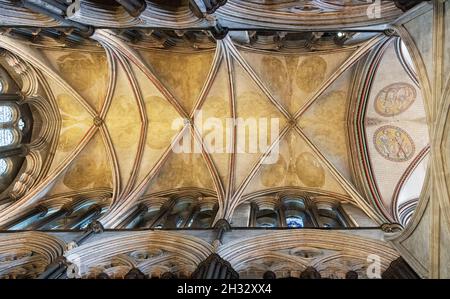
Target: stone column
214 267
42 222
39 210
93 211
11 97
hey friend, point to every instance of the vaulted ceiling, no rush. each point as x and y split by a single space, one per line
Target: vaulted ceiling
351 117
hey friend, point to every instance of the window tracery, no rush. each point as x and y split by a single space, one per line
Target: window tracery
6 137
298 212
3 167
6 114
49 217
13 132
189 211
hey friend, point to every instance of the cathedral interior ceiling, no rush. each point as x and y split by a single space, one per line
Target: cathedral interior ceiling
112 108
117 108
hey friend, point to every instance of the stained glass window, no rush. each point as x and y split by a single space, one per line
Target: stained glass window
6 137
6 114
3 166
294 222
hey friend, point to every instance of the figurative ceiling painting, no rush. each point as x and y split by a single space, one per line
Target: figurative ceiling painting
396 127
395 99
394 144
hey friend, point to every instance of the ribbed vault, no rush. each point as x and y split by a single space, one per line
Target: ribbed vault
123 109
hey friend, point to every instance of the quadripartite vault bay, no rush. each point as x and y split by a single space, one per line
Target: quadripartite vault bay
224 139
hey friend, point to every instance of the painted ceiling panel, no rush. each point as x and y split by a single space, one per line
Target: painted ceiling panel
124 125
395 122
184 74
293 78
86 72
211 119
90 170
261 118
160 116
297 166
76 121
325 123
182 170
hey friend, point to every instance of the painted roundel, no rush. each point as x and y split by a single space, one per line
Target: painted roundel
394 144
395 99
311 73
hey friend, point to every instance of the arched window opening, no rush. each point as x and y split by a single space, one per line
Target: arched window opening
6 114
330 215
204 218
266 218
3 167
182 212
148 218
82 216
75 215
296 212
406 211
54 219
295 221
26 222
27 219
329 219
58 223
6 137
15 135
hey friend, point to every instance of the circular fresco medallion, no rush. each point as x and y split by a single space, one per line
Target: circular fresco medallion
311 171
311 73
395 99
273 175
394 144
